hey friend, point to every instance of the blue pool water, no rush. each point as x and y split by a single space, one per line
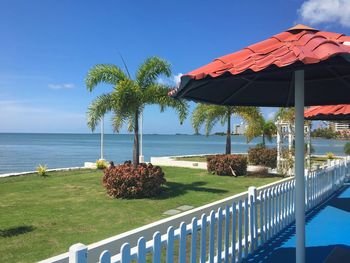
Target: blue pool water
23 152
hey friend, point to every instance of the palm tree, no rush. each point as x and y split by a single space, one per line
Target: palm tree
209 115
130 96
285 114
268 130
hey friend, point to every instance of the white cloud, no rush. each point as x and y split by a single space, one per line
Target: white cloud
177 79
173 81
325 12
61 86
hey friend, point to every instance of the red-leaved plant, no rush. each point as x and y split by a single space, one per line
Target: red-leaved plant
127 181
227 164
263 156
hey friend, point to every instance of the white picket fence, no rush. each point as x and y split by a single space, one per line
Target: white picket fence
233 231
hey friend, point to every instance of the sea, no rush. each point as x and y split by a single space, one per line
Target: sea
20 152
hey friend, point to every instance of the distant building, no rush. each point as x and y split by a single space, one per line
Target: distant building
240 128
341 127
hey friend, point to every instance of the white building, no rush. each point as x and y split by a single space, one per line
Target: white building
341 126
240 128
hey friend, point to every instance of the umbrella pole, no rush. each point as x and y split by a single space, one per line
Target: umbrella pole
299 166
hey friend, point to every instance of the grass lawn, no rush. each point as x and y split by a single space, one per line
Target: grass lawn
192 158
42 217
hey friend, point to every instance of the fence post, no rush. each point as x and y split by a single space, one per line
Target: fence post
252 192
78 253
307 188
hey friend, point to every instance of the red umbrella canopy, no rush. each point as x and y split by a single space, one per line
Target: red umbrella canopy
262 74
301 66
330 112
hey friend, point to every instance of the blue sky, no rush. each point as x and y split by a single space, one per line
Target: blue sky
47 47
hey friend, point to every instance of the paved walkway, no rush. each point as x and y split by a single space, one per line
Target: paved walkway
327 235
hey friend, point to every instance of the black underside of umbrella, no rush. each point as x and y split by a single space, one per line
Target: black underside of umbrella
324 117
326 83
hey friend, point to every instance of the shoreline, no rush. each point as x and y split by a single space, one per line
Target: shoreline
48 170
157 160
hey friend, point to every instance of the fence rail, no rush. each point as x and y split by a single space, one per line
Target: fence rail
226 231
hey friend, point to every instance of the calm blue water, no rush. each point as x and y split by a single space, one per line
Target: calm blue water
23 152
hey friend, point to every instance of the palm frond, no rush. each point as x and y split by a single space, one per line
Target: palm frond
128 97
225 112
98 108
117 122
150 70
252 115
119 119
248 113
269 129
106 73
285 114
214 114
131 123
207 115
198 117
158 94
253 130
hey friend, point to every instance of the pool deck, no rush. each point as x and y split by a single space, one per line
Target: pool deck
327 235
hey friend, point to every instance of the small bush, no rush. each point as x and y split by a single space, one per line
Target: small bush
330 155
41 170
287 162
101 164
263 156
127 181
347 148
228 164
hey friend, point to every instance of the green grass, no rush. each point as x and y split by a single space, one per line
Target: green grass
192 158
41 217
320 160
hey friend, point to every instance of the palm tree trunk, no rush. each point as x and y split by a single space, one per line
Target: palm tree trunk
228 134
263 139
136 148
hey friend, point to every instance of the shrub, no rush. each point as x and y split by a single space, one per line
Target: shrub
287 162
330 155
228 164
41 170
347 148
101 164
127 181
263 156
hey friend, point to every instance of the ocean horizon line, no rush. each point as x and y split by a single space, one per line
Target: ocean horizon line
97 133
